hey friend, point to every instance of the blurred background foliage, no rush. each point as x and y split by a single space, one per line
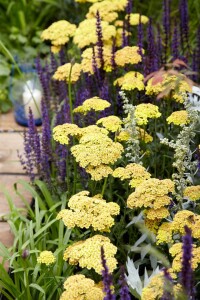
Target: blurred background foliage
22 22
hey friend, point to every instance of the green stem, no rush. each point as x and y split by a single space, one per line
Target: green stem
27 282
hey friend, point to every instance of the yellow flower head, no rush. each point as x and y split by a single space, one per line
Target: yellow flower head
111 123
93 129
192 192
59 32
106 10
127 55
87 59
134 172
135 19
63 72
123 136
177 252
79 287
151 193
145 111
155 288
164 234
84 1
99 172
94 103
130 81
178 118
61 133
186 218
89 211
159 213
46 257
86 33
55 49
87 253
96 149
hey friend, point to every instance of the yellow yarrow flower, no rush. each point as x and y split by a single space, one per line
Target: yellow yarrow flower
55 49
135 19
135 172
186 218
192 192
46 257
130 81
99 172
59 32
87 253
61 133
94 103
96 149
178 118
145 111
159 213
106 10
63 72
152 193
164 234
85 34
89 211
127 55
177 252
80 287
155 288
93 129
111 123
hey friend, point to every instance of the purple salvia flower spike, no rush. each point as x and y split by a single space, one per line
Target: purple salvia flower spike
124 290
186 275
175 42
166 25
107 278
129 7
168 286
99 39
62 56
184 24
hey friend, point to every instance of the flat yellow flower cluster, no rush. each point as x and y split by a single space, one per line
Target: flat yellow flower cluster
177 252
107 11
78 287
130 81
95 150
87 59
59 33
89 211
145 111
134 172
87 253
111 123
61 133
153 195
46 257
168 231
192 192
127 55
85 34
157 285
94 103
178 118
63 72
135 19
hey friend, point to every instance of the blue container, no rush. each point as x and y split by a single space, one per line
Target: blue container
25 93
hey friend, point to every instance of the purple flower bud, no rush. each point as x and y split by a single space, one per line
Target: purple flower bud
107 278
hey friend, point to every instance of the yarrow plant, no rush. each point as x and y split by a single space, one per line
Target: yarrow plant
116 157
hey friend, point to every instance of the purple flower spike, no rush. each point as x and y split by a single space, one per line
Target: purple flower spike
124 290
175 43
186 275
166 24
184 27
107 278
99 38
168 286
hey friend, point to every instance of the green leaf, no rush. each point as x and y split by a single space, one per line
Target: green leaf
37 287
